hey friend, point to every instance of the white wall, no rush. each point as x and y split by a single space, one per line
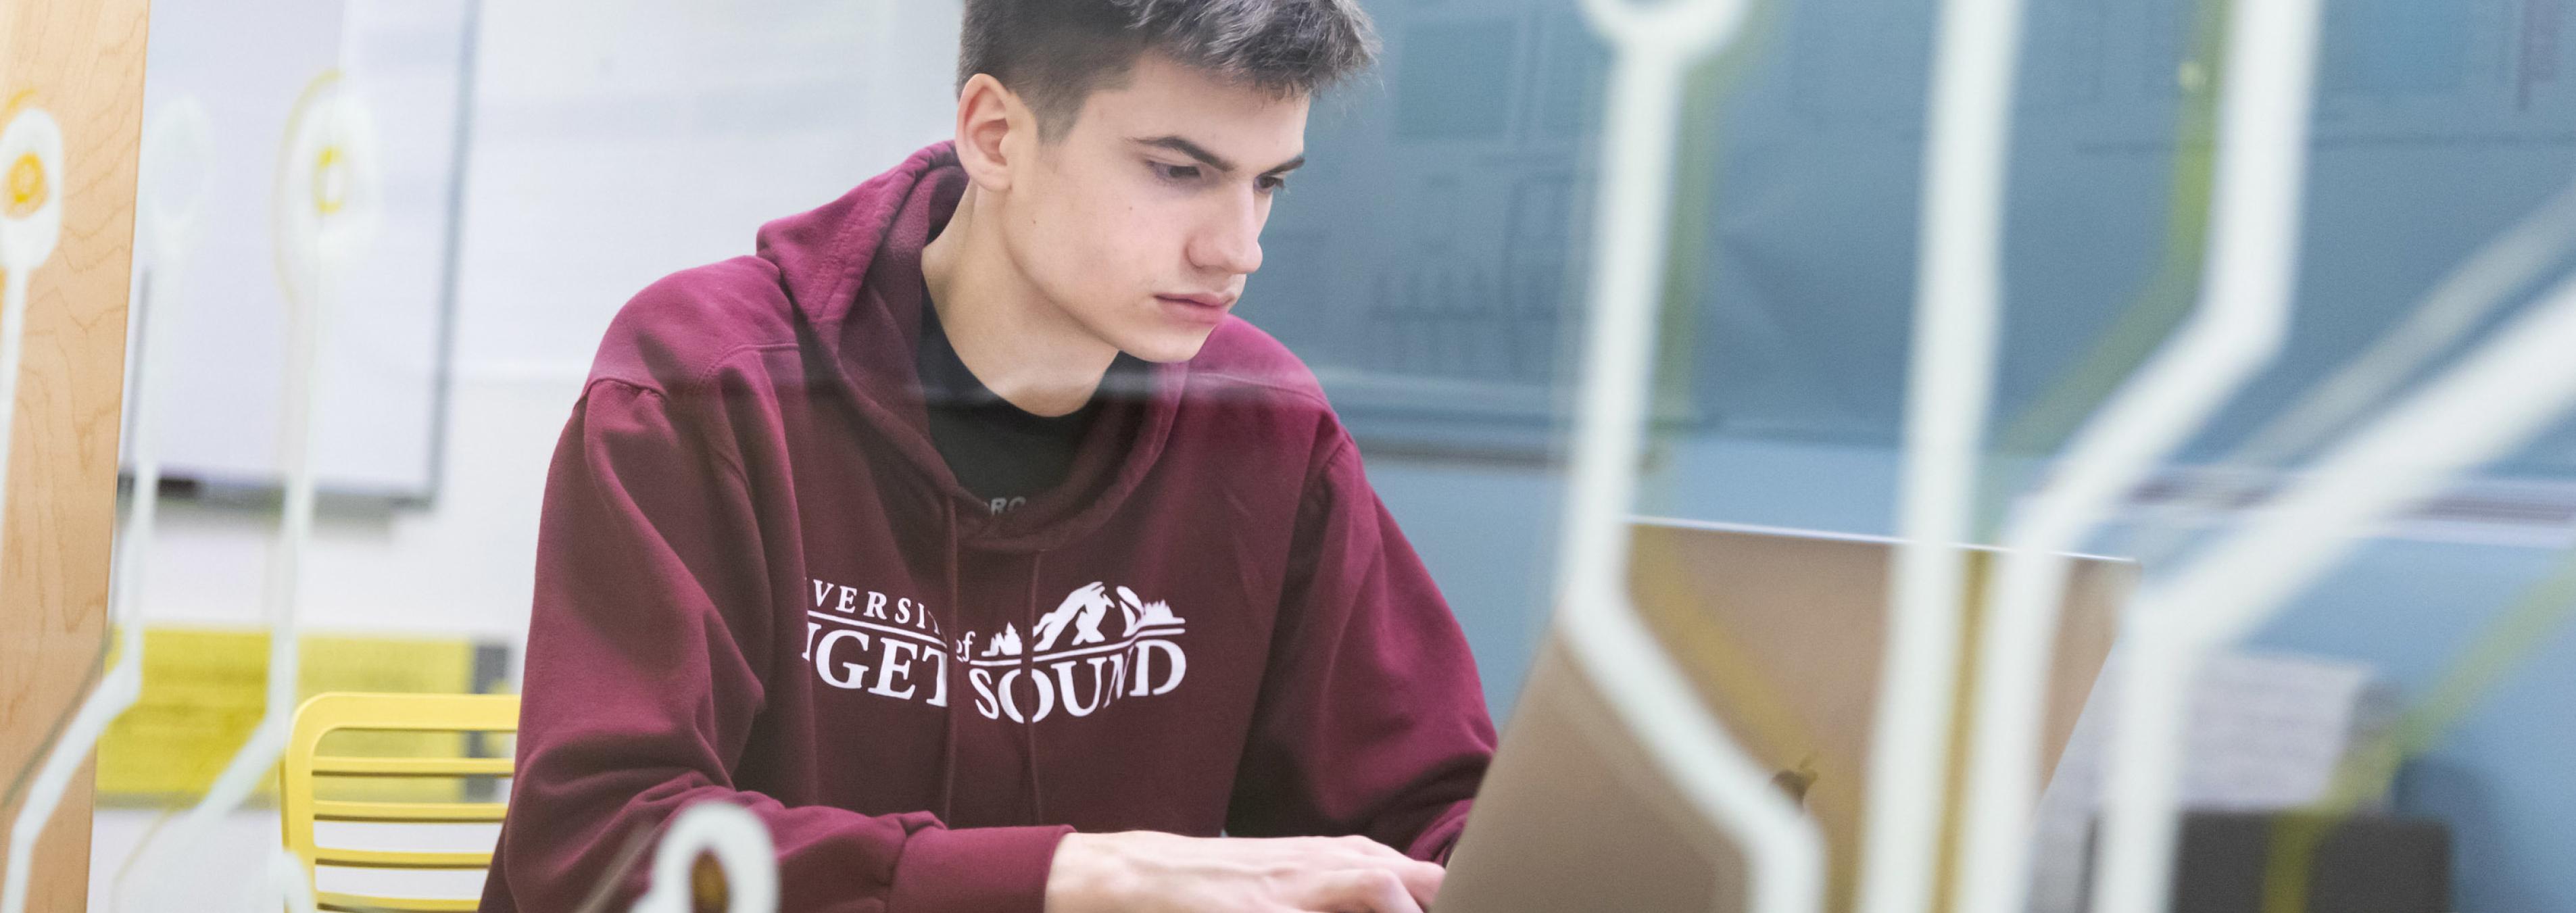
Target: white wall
615 141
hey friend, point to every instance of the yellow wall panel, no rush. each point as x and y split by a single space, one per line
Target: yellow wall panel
203 691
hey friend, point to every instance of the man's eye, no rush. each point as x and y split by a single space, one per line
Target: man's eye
1271 183
1175 172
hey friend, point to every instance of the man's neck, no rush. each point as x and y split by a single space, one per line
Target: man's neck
1019 345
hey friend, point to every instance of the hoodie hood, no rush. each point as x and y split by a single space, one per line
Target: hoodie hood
851 271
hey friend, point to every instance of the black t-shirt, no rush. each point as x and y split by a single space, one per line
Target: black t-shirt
1001 452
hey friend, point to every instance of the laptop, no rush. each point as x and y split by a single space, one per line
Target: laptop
1781 631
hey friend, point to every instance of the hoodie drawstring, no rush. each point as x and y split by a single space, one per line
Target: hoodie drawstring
948 731
948 727
1037 796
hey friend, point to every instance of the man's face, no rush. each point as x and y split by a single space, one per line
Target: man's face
1144 219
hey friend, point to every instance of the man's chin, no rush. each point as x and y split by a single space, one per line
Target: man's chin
1169 346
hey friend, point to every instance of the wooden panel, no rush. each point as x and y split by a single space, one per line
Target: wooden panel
81 60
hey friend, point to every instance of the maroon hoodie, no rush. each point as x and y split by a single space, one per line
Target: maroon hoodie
758 582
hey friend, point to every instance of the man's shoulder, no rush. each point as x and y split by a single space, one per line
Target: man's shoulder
1239 361
1245 380
675 332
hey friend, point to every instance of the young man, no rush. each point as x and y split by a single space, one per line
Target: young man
965 538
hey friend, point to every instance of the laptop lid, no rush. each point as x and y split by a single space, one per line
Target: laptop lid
1782 631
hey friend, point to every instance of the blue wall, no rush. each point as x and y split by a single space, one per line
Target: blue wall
1433 252
2408 607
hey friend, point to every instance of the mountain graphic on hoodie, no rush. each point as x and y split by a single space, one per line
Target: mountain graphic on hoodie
1005 644
1141 614
1084 609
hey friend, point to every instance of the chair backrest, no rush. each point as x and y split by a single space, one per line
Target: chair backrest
341 711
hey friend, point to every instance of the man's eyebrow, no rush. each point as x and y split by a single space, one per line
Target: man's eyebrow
1185 147
1211 159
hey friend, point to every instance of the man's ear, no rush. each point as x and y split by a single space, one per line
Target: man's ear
994 128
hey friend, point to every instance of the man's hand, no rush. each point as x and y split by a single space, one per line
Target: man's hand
1150 872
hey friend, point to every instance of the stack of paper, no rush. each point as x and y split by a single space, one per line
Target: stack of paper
2267 732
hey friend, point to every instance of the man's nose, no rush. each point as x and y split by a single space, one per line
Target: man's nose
1231 243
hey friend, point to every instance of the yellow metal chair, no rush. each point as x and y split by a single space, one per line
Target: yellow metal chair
335 712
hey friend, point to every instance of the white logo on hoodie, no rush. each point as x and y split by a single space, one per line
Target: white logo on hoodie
1068 661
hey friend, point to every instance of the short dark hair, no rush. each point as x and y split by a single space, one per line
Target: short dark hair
1055 53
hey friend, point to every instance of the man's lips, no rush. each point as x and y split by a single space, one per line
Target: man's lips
1202 299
